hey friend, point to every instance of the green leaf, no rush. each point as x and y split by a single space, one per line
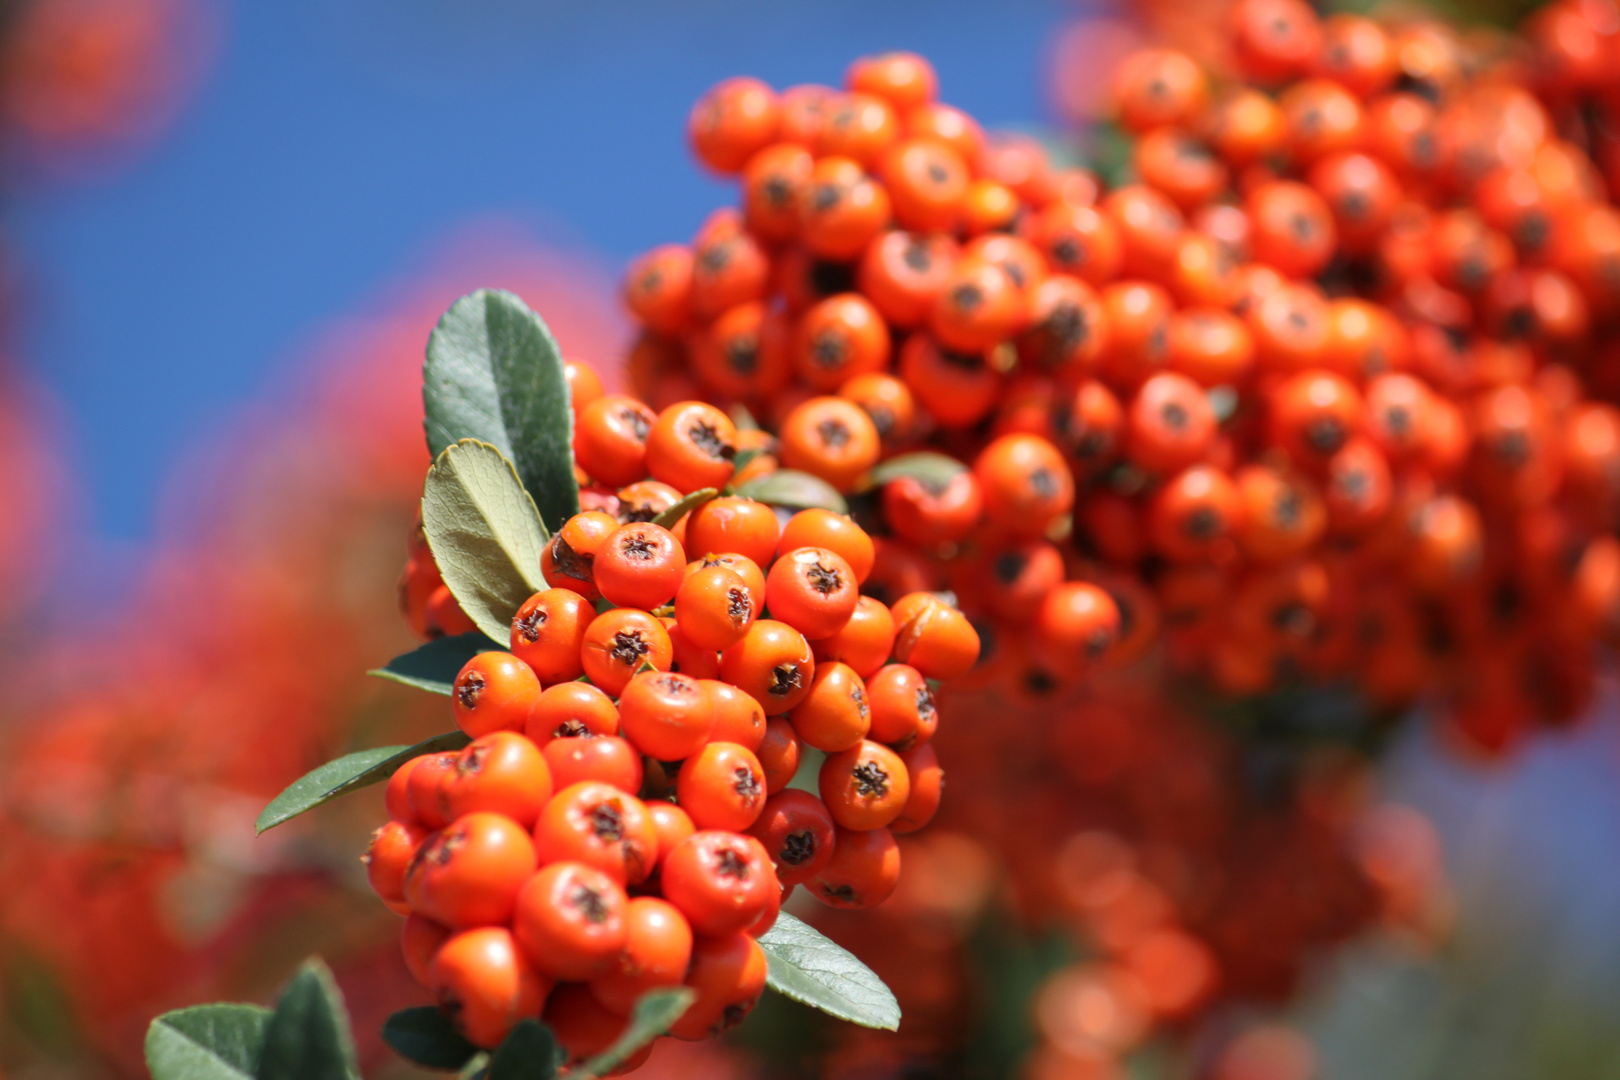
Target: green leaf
434 666
494 373
928 468
207 1042
485 534
796 490
652 1016
308 1036
808 967
530 1052
426 1036
349 773
669 517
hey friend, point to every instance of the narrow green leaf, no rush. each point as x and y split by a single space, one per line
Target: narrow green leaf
207 1042
348 773
809 967
530 1052
494 373
930 469
426 1036
796 490
652 1016
669 517
485 534
308 1036
434 666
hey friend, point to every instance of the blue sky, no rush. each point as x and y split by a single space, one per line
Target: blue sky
334 142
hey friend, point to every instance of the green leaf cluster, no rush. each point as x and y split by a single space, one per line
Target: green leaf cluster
305 1037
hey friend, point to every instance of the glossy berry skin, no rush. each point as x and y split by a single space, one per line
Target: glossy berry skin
714 608
482 979
691 445
927 782
844 210
904 713
1027 486
666 715
933 637
397 793
902 273
733 121
831 438
424 786
1158 87
797 832
835 715
775 182
598 825
619 642
469 873
738 718
731 523
863 870
671 823
1191 517
569 710
1077 624
605 758
1293 228
728 973
689 658
1170 424
927 183
820 528
864 787
419 941
1313 415
501 773
752 576
859 127
639 565
779 752
720 881
957 389
979 307
722 786
657 952
657 289
772 663
837 339
548 632
569 921
813 590
903 79
932 513
645 500
864 642
610 440
493 692
389 855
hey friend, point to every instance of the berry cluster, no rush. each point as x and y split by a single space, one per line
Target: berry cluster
1307 397
622 818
